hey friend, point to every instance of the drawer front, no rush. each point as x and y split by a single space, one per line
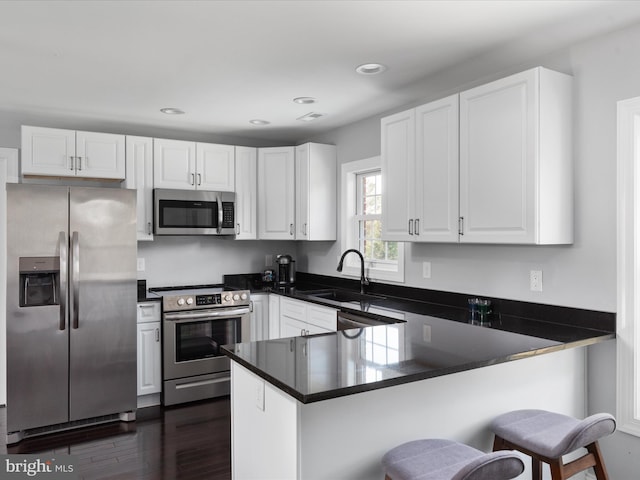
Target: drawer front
293 309
323 317
148 312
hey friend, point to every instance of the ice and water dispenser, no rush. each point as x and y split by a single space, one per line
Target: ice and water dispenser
39 281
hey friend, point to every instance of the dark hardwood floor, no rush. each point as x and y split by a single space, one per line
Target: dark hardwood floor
187 442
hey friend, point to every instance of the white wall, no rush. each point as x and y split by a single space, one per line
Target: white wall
171 261
605 71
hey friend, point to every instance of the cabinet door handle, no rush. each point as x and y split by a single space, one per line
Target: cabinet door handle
71 162
417 226
237 229
157 334
193 178
461 226
199 179
304 230
148 228
411 226
79 163
291 229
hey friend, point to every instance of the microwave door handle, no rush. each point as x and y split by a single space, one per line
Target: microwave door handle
220 214
62 244
75 279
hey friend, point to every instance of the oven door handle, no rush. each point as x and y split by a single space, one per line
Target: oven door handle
177 316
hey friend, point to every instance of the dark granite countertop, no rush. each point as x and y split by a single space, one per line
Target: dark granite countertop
433 339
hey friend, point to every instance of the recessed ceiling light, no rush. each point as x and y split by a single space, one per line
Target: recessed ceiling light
172 111
257 121
304 100
370 68
309 117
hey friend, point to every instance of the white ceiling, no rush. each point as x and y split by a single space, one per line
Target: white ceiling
226 62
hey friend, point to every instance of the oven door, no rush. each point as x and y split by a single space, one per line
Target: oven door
192 340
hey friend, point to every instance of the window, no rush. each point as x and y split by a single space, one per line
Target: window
362 223
628 326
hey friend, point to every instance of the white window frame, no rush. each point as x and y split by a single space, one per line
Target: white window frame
628 259
349 172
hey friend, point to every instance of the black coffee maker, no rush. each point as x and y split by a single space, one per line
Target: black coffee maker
285 271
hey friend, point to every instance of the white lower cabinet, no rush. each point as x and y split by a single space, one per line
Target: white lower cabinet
274 316
259 317
149 353
298 318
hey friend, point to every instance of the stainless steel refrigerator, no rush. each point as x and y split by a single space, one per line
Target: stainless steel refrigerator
71 307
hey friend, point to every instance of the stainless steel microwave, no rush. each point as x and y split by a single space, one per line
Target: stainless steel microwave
193 212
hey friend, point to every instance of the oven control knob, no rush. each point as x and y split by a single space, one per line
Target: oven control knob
189 301
181 301
243 296
227 298
236 297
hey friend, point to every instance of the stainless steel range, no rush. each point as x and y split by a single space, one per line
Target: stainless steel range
196 323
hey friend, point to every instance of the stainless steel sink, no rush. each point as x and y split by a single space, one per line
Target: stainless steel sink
338 295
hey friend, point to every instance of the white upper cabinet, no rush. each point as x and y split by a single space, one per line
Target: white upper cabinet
174 164
215 167
420 173
398 157
315 192
276 193
69 153
516 160
140 178
246 193
189 165
490 165
436 171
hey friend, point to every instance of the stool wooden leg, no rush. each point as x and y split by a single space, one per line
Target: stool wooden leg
600 469
499 444
557 470
536 469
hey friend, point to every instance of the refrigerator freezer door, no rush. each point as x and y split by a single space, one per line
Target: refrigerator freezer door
37 349
102 263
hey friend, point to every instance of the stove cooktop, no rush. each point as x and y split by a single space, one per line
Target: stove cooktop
187 290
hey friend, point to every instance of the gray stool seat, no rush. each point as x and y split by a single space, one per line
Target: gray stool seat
547 436
438 459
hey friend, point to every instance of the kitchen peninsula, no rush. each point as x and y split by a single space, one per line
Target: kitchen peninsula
330 405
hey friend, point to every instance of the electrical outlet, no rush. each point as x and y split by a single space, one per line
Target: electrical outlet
141 264
535 280
426 333
268 260
426 269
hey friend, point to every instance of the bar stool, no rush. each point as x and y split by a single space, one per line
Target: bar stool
438 459
547 436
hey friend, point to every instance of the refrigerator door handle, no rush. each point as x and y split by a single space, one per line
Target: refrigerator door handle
75 278
64 270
